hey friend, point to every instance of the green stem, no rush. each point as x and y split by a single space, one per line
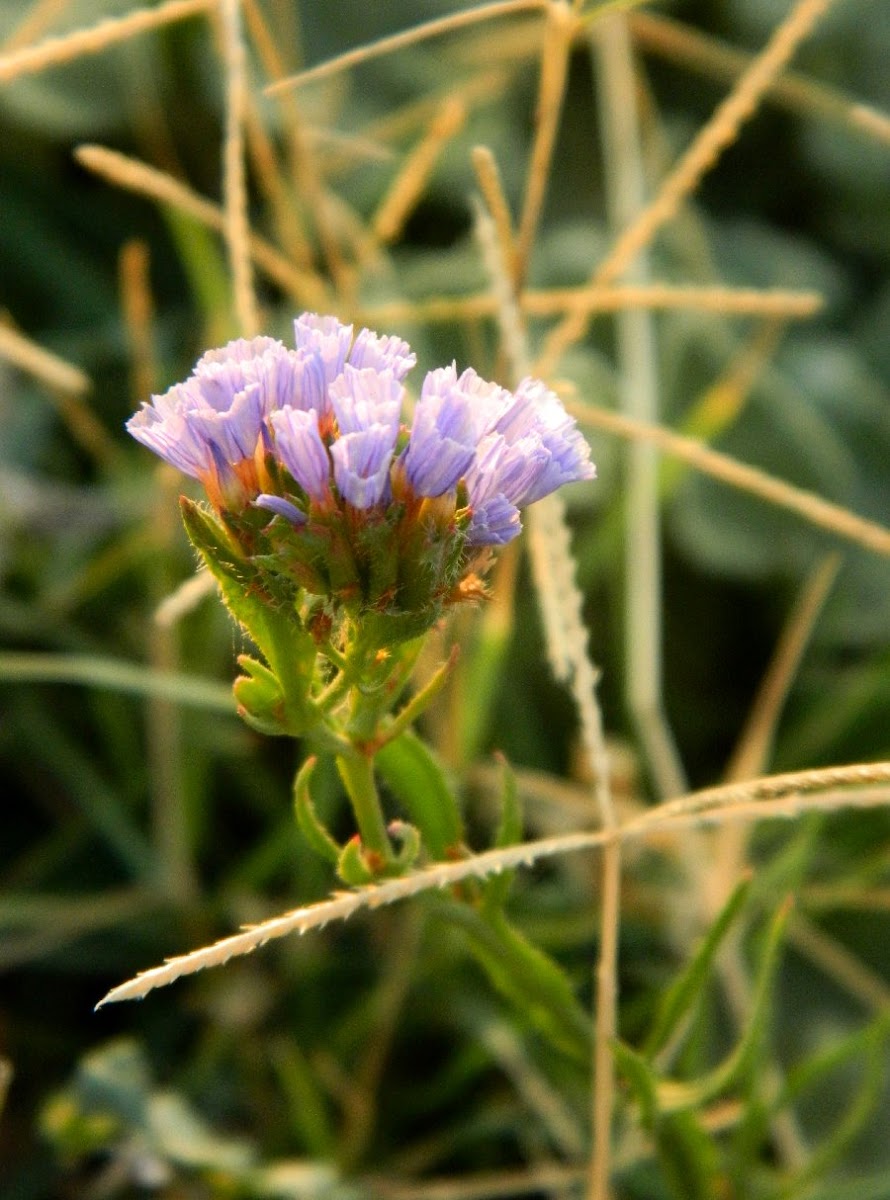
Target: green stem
418 702
357 772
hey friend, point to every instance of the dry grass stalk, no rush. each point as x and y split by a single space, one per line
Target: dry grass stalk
821 513
100 36
405 121
561 604
34 24
624 185
548 302
184 599
779 797
728 858
718 133
868 986
489 179
409 37
752 752
288 221
680 44
236 227
307 290
407 188
51 370
138 311
66 387
559 31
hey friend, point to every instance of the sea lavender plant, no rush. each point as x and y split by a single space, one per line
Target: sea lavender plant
339 537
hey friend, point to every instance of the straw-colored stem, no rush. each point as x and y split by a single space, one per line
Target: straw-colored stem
698 52
779 797
407 187
307 290
559 31
111 31
561 604
138 310
743 302
821 513
718 133
51 370
397 41
34 24
236 229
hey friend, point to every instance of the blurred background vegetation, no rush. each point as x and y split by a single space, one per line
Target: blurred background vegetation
140 820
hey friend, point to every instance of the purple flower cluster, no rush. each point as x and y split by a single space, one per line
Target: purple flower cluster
318 429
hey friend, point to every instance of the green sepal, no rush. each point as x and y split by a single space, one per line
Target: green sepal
308 819
271 621
351 865
415 777
224 560
260 698
378 558
392 627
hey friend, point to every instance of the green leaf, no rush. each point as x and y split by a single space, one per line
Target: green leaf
415 777
688 1156
870 1044
638 1072
676 1096
689 985
509 831
531 981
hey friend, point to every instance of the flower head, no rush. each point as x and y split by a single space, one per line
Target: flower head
312 438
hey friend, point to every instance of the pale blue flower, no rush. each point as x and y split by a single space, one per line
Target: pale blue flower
299 446
361 465
382 353
327 341
329 412
281 508
532 448
364 398
445 433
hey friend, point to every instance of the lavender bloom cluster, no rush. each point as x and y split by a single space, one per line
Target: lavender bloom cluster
317 430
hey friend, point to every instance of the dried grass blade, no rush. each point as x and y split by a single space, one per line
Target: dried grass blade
100 36
822 513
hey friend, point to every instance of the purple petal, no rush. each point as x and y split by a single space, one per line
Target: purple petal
299 446
382 353
568 461
361 465
235 430
363 399
281 508
444 435
168 435
494 523
324 338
